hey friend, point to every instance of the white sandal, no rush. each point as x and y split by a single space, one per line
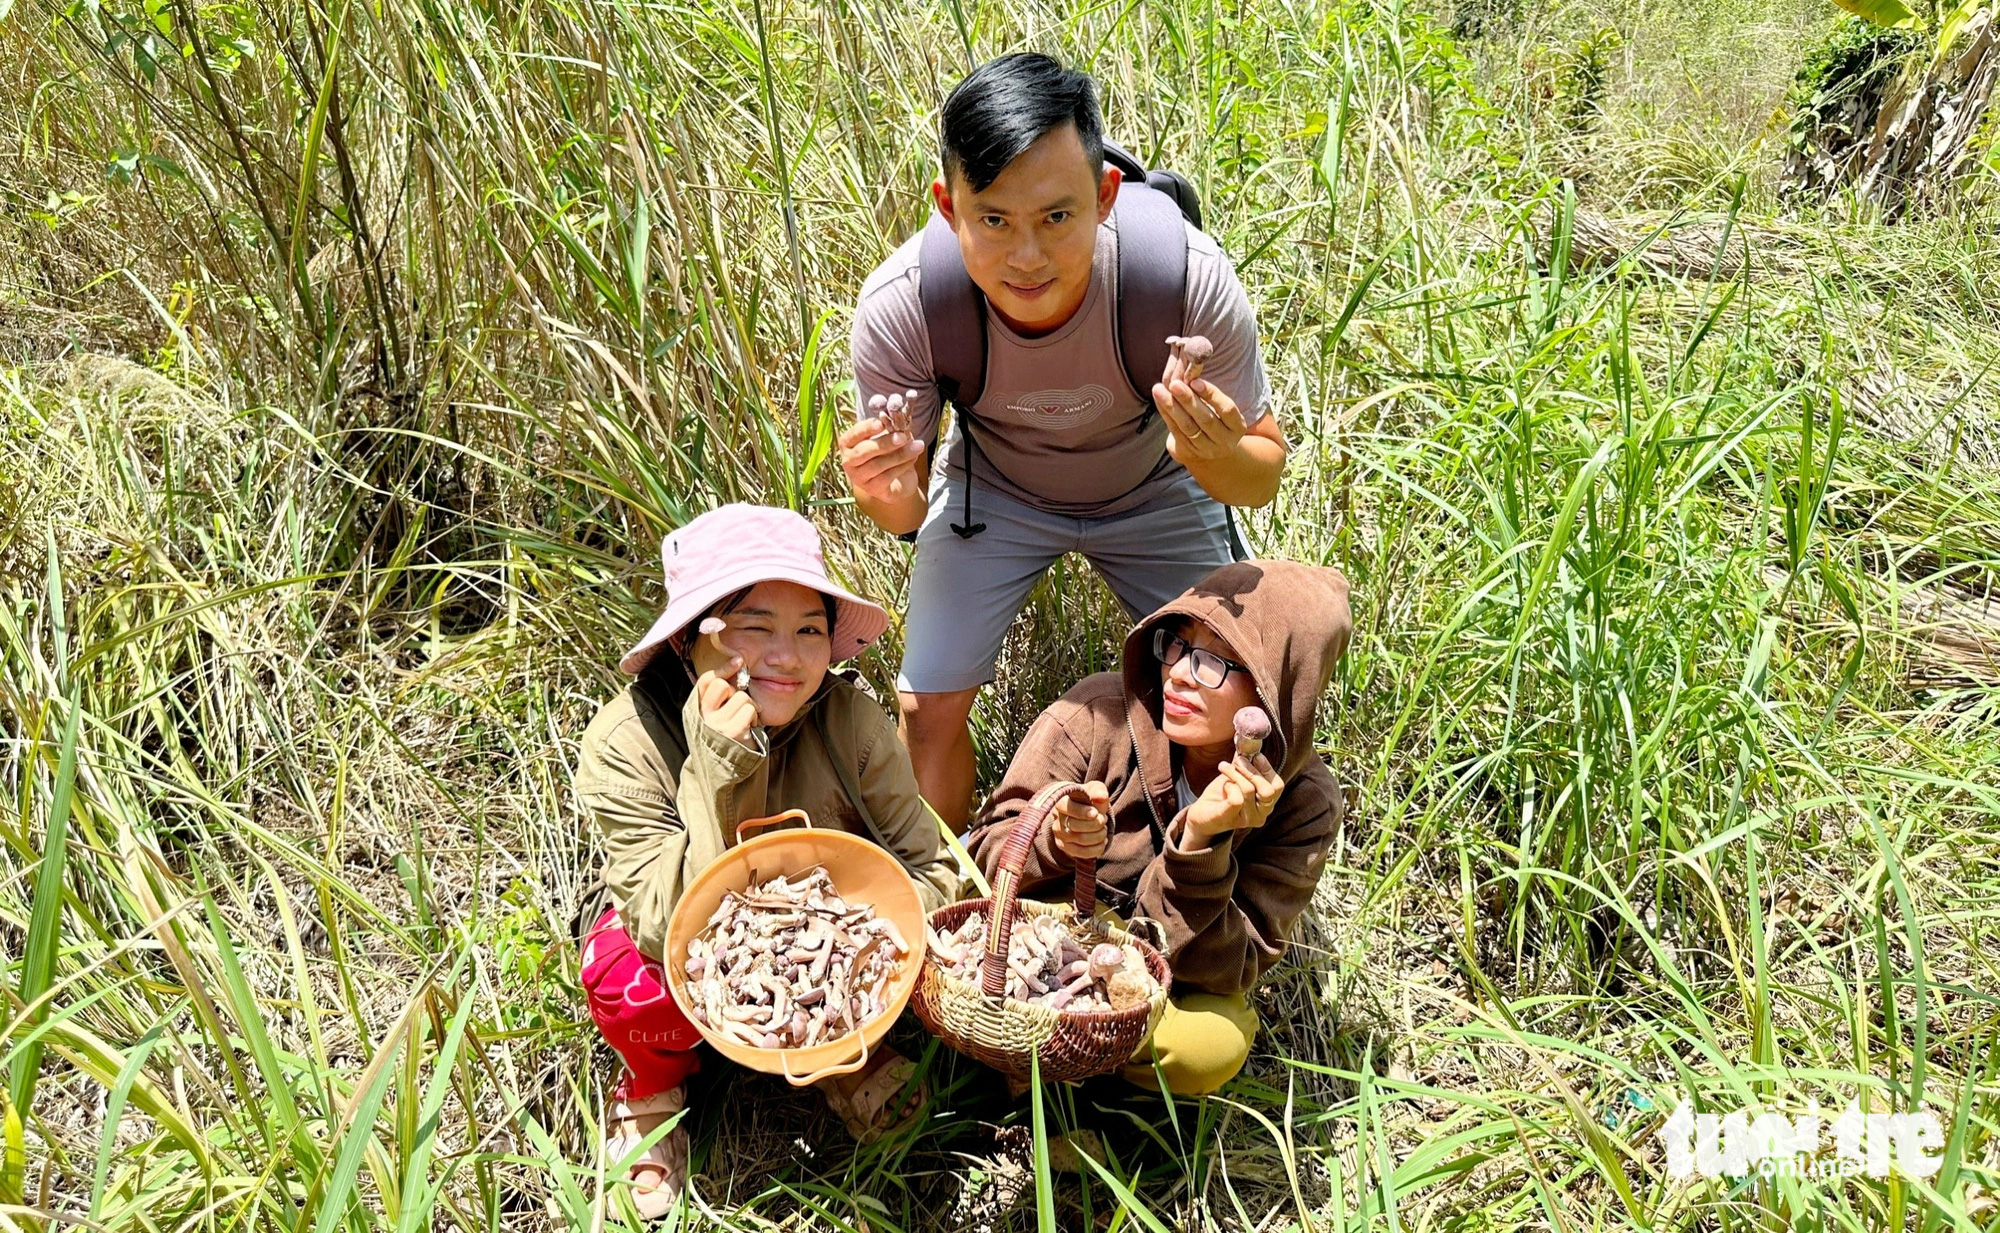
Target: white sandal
658 1174
863 1101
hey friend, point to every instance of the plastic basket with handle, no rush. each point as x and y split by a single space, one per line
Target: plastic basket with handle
861 873
980 1021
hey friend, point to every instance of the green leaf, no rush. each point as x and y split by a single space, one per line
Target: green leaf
1949 29
114 1112
817 414
355 1142
1045 1189
1886 13
357 1127
420 1191
38 965
1333 150
1127 1201
250 1022
636 254
14 1168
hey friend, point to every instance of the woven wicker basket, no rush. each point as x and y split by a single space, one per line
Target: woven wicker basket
980 1021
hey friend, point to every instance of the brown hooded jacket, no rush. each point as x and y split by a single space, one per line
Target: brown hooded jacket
1228 909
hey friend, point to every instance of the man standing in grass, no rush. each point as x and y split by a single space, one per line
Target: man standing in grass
1018 307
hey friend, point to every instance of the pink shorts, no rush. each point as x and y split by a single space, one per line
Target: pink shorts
631 1005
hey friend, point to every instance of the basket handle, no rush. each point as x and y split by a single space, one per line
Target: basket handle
758 824
1007 882
826 1072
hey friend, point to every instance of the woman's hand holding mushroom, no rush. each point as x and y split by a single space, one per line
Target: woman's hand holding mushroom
726 709
1239 798
1080 831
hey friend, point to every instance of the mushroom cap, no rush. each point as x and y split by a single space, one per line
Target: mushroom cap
1106 958
713 625
1195 348
1252 724
1128 989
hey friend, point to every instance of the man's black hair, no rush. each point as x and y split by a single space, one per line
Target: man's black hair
1006 105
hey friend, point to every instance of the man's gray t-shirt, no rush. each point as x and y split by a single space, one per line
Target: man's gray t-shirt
1059 425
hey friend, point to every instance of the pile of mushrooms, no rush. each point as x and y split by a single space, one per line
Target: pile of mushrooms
1053 961
789 964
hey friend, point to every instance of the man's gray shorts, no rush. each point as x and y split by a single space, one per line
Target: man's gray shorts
964 593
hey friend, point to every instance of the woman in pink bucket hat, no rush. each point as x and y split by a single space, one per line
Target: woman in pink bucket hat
704 737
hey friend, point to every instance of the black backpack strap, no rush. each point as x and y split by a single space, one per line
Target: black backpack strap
968 528
1152 285
955 318
1128 166
954 315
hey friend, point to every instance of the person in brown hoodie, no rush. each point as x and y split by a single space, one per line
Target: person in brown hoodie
1223 855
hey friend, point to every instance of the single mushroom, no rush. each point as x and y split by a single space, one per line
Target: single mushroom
1128 989
1188 355
1105 959
711 629
1253 728
1059 998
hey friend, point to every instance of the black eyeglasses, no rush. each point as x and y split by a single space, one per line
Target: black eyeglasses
1210 669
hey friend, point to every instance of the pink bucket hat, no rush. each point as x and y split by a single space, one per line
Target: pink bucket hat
738 546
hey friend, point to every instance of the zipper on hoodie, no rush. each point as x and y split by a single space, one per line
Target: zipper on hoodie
1139 763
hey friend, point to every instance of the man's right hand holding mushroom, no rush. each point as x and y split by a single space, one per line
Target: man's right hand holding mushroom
884 462
1236 463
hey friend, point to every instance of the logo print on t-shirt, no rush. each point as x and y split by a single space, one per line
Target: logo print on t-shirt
1062 409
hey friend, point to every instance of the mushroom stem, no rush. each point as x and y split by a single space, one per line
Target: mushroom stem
711 629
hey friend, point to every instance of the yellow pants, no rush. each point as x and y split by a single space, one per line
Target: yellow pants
1201 1041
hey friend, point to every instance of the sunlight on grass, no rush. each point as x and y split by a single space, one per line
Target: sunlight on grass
354 358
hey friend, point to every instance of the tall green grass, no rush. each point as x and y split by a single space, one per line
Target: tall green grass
357 355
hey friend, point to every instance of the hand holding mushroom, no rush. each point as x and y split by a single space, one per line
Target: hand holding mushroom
726 705
881 454
1245 788
1079 827
1186 357
1202 421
